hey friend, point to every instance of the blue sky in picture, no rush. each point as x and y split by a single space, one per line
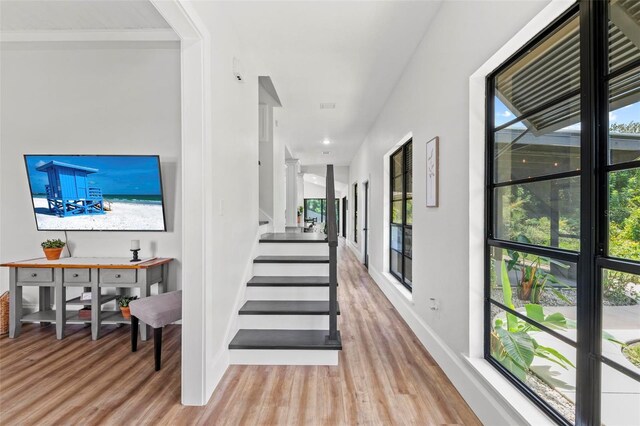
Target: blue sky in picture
117 175
622 115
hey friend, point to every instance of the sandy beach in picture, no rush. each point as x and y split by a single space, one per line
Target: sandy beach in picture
122 217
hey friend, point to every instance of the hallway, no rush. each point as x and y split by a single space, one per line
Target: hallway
384 376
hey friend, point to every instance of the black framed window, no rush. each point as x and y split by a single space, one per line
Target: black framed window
562 284
355 212
401 214
316 209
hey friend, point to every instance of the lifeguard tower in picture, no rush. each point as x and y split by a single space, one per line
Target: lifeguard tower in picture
68 192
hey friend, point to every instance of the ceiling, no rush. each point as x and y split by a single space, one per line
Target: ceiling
60 15
347 53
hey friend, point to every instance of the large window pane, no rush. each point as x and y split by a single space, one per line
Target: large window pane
408 271
408 250
620 399
397 188
396 212
624 214
540 361
549 70
621 318
409 207
544 213
396 238
624 27
396 164
542 288
624 118
396 263
543 144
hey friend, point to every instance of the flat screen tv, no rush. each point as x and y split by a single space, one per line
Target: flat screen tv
96 192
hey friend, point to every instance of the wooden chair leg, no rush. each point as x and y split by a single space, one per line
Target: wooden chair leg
134 333
157 346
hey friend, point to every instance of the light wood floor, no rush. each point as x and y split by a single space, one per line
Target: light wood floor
385 377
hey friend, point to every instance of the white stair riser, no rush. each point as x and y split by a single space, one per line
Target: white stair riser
290 269
283 357
265 229
284 322
293 249
287 293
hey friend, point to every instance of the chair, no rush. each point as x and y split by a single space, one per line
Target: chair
156 311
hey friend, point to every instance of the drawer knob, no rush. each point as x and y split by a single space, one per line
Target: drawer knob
75 275
34 275
118 275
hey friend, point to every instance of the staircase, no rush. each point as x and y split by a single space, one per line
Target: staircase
291 308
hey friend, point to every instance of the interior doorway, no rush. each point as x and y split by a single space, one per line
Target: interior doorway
365 228
344 217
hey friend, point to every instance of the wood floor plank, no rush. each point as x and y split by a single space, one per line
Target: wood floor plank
385 376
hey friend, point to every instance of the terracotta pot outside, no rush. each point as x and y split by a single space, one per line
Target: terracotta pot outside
53 253
126 311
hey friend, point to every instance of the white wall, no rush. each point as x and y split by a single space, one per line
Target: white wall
432 99
88 98
234 161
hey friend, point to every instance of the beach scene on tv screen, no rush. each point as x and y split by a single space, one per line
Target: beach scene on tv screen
100 193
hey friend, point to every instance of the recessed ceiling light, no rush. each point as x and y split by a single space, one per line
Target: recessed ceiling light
327 105
326 141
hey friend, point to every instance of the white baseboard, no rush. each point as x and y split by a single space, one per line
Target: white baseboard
490 407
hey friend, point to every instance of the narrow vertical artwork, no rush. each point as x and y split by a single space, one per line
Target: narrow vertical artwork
433 172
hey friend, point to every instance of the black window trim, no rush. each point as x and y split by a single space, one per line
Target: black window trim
403 226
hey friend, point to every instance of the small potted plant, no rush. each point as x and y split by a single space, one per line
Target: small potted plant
53 248
123 302
300 211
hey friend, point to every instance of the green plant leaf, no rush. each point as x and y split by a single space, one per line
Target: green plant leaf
534 311
553 355
519 346
512 320
559 295
555 320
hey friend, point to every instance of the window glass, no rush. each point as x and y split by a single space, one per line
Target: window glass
624 24
620 398
624 214
544 213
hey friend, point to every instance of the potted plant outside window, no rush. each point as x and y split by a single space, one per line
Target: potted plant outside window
53 248
123 302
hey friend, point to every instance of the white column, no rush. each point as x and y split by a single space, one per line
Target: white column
293 169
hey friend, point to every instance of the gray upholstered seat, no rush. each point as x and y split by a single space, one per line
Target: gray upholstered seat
158 311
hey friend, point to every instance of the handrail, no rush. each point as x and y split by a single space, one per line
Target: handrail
332 239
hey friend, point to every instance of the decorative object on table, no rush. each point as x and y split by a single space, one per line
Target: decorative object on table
123 302
86 295
433 172
53 248
135 248
4 313
84 313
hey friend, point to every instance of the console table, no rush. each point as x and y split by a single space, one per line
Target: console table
91 273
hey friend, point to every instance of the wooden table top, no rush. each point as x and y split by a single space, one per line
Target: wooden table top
89 262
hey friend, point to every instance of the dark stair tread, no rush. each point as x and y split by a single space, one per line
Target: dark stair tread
293 237
263 222
291 259
302 281
286 307
284 339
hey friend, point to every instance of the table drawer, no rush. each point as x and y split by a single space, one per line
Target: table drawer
80 275
118 276
35 275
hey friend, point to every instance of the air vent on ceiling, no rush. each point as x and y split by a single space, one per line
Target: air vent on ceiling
327 105
326 152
